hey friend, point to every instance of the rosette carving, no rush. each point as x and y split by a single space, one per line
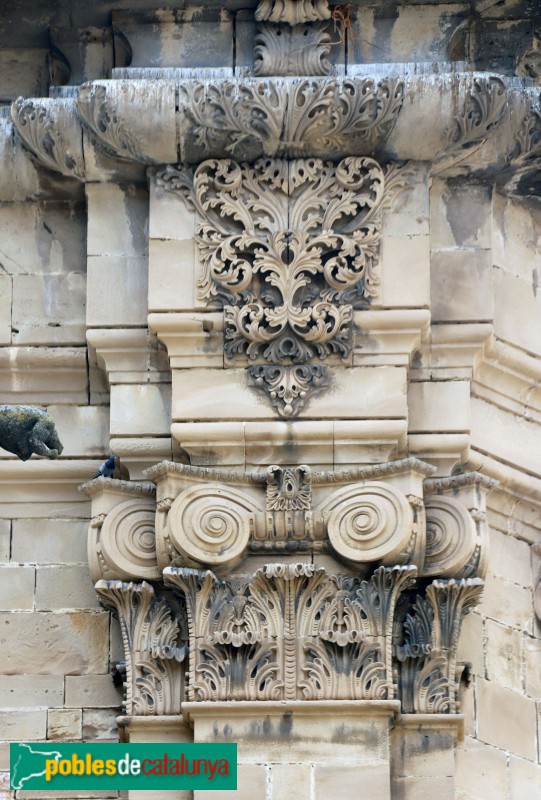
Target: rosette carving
368 522
451 537
124 546
211 524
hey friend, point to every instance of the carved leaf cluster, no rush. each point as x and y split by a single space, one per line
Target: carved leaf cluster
287 248
289 117
292 11
290 632
42 136
426 654
153 646
298 50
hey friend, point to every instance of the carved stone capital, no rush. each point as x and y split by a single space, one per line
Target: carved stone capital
426 645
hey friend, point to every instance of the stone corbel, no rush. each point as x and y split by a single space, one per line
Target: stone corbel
123 354
121 535
153 635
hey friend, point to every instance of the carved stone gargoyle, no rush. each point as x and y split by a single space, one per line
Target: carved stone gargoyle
25 430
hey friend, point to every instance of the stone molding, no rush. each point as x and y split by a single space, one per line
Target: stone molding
508 377
264 117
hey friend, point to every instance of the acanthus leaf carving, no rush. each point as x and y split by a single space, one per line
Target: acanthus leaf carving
100 117
288 117
154 646
292 11
427 654
482 110
297 50
290 388
42 135
257 637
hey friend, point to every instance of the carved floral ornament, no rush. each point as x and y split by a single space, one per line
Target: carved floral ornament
289 249
291 631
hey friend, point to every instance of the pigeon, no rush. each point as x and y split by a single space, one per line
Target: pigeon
112 468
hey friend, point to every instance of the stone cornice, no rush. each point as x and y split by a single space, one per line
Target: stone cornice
457 114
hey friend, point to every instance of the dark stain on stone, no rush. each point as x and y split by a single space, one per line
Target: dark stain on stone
286 724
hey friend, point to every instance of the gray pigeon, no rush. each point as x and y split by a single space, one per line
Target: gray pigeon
112 468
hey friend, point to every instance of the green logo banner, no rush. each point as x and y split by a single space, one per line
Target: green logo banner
109 766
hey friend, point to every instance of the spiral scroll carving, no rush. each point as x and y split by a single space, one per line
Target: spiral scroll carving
127 541
451 537
369 522
210 525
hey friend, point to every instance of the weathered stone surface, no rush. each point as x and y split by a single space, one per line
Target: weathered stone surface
481 771
100 724
506 719
117 220
23 726
49 309
106 308
461 285
91 691
504 655
524 779
64 723
5 540
54 644
17 588
31 691
64 587
49 541
506 602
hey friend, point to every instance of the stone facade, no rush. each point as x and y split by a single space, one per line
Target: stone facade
282 259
